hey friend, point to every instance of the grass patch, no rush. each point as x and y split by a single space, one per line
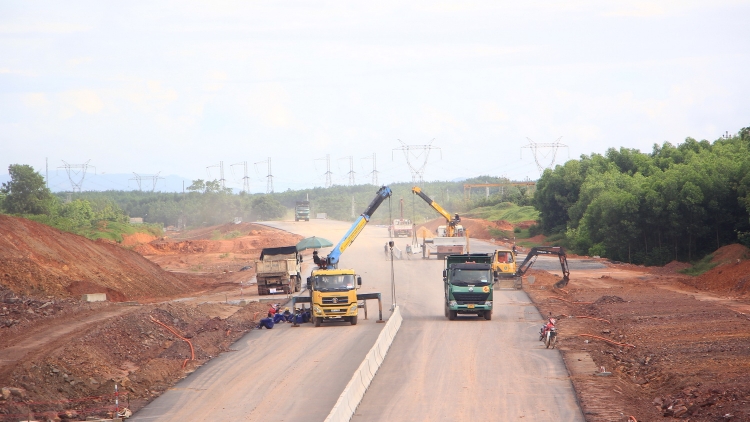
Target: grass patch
507 211
499 234
701 266
233 234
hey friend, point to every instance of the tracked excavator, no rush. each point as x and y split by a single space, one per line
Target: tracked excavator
544 250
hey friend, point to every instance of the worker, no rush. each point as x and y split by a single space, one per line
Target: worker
266 322
279 317
317 260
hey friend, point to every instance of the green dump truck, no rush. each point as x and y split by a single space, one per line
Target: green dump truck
302 211
468 285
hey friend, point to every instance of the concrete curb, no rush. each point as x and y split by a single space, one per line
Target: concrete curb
352 395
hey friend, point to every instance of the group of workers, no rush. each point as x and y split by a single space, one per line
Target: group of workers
275 316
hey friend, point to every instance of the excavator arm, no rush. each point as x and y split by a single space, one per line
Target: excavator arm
546 250
331 262
452 221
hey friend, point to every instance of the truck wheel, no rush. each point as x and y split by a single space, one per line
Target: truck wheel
447 311
317 321
452 315
353 320
488 315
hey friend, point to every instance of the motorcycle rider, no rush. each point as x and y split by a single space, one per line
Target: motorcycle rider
548 326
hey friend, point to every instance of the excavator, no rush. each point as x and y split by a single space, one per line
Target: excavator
450 237
453 229
544 250
333 292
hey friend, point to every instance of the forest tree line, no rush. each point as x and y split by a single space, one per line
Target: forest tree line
675 203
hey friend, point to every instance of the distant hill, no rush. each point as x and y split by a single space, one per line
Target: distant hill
59 182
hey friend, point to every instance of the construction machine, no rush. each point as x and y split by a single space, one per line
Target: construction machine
333 291
468 285
302 211
278 270
504 266
544 250
450 237
401 226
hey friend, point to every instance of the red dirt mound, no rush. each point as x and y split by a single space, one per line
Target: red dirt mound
731 278
731 253
136 239
671 268
38 260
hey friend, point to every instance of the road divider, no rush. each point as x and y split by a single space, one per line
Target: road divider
355 390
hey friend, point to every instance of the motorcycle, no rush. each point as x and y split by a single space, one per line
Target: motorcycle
550 338
548 334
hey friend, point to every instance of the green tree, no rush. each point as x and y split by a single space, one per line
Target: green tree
26 192
266 207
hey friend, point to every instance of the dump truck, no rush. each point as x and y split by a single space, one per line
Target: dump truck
277 271
401 226
302 211
504 267
468 285
333 291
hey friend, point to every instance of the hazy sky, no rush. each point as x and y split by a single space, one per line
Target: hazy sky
174 87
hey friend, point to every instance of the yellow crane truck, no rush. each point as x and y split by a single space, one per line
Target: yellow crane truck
333 291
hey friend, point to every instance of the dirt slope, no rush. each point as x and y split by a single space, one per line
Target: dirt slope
38 260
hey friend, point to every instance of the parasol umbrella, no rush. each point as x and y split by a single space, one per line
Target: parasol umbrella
313 243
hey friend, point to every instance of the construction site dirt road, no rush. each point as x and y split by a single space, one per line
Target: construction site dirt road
61 358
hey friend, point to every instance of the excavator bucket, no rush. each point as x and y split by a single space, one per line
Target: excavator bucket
562 283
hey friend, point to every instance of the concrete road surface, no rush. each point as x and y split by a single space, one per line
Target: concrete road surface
287 373
436 369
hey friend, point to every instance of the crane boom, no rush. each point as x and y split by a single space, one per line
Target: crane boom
333 258
452 221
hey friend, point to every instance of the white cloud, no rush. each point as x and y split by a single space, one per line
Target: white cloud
84 100
35 100
45 28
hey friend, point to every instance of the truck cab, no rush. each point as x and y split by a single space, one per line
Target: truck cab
468 285
333 294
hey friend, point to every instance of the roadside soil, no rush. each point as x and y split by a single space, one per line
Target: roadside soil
677 347
60 358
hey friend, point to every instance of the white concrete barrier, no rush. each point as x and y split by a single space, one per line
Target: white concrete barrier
352 395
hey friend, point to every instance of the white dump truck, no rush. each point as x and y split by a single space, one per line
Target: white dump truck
277 271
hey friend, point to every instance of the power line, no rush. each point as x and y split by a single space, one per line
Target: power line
328 169
412 159
245 178
351 169
221 173
269 177
543 151
74 171
154 179
374 171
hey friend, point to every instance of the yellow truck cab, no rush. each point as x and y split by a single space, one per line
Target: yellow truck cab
504 266
333 294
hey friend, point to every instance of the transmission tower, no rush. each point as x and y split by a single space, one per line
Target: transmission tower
542 152
417 154
374 171
221 173
328 169
76 173
245 178
141 177
269 177
351 169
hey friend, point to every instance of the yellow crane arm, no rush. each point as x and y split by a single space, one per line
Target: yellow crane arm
416 190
